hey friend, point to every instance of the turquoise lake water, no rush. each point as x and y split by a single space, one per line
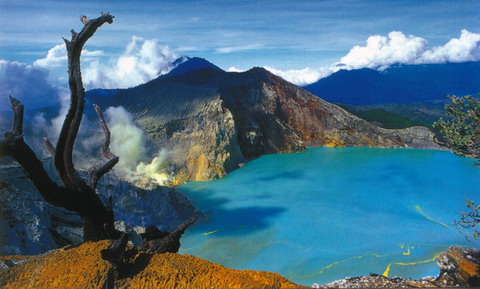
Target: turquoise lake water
329 213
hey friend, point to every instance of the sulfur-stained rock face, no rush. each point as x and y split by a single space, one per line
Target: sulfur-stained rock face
273 115
213 121
82 267
206 147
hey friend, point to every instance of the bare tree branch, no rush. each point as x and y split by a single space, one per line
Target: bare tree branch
106 145
17 125
63 155
94 173
14 145
48 145
171 242
75 194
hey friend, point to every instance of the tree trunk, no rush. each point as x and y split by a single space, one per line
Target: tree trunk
75 194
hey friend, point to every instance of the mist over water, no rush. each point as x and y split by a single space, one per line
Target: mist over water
330 213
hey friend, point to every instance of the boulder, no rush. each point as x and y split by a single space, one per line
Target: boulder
460 267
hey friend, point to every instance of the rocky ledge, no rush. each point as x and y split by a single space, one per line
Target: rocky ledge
83 267
458 268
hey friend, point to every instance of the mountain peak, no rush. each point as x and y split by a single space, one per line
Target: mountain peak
188 64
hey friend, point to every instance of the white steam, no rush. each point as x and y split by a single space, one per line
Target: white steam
51 128
129 143
156 168
128 140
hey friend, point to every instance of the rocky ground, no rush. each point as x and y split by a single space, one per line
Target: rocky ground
82 267
458 268
29 225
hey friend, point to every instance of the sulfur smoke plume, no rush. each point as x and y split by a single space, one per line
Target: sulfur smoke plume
130 144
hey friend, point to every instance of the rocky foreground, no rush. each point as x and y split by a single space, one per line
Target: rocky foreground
83 267
458 268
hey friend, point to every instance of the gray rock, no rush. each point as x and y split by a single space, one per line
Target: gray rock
29 225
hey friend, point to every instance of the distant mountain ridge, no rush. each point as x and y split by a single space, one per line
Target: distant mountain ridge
399 84
214 121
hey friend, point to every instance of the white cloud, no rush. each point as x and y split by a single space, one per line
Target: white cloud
231 49
303 76
381 51
465 48
57 56
234 69
142 61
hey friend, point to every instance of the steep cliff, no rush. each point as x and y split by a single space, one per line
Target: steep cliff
273 115
214 120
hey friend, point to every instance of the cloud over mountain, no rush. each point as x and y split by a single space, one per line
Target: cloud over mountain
381 52
303 76
142 60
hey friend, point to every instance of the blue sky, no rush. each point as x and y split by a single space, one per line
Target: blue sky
301 40
280 34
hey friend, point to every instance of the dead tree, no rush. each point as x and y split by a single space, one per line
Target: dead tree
74 193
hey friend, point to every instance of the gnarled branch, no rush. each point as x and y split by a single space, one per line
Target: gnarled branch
48 145
171 242
17 125
14 145
64 149
94 173
75 194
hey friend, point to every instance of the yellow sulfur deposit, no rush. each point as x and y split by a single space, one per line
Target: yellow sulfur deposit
82 267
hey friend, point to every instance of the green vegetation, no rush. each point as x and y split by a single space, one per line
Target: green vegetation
398 116
386 119
462 127
462 133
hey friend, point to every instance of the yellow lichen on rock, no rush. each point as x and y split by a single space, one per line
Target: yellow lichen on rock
185 271
82 267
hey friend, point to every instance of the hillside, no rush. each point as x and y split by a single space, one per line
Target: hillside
214 121
399 84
